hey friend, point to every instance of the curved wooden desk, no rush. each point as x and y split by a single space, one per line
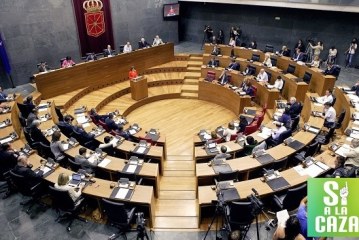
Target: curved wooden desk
343 103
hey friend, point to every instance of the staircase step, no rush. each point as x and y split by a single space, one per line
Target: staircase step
174 195
195 63
179 165
178 183
176 207
189 95
190 88
192 75
182 173
196 58
179 158
190 82
176 222
194 69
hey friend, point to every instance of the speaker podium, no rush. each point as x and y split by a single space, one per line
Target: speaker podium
139 88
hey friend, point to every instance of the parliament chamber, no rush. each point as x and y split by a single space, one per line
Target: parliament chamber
176 170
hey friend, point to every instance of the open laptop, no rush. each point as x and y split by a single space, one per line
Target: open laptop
75 180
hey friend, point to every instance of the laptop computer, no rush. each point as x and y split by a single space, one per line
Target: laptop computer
75 180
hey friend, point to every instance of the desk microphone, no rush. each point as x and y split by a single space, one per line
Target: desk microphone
255 192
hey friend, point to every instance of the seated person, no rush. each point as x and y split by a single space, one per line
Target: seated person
249 145
339 169
157 41
91 57
85 135
108 52
329 115
294 107
42 67
62 184
267 61
228 132
330 69
252 45
67 124
132 73
232 42
298 56
111 124
214 138
67 62
248 71
284 51
278 131
234 65
8 159
292 230
96 116
57 148
262 76
3 96
36 133
107 143
23 168
224 77
278 84
216 51
127 48
316 62
29 102
86 165
213 62
33 115
328 97
353 155
243 123
286 119
223 154
143 44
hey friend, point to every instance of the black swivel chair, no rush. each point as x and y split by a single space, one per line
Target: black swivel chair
274 61
284 135
62 202
226 176
269 48
22 120
269 76
255 57
290 200
295 123
325 139
74 165
240 217
340 119
307 77
280 165
118 215
307 152
252 70
290 69
45 151
30 141
22 185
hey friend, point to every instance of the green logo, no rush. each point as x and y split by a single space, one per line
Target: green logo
333 207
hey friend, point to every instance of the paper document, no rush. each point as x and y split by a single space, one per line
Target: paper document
104 162
85 125
282 217
141 150
46 170
207 136
313 130
322 165
121 194
313 170
6 140
131 168
82 119
132 131
80 115
93 158
2 125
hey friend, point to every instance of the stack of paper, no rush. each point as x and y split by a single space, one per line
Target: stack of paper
141 150
122 193
104 162
131 168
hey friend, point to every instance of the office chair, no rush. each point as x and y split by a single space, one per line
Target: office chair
30 141
290 200
233 137
307 77
274 61
269 76
290 69
295 123
252 70
74 165
62 202
24 188
104 125
255 57
268 48
284 135
118 215
240 217
339 122
251 128
45 151
22 120
324 140
308 151
227 176
279 165
254 88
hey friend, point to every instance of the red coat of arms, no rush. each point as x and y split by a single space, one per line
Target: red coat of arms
94 17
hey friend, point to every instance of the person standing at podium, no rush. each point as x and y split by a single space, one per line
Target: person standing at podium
132 73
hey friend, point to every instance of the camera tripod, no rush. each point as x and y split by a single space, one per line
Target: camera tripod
141 229
220 211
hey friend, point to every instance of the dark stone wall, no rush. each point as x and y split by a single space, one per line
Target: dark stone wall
36 30
258 23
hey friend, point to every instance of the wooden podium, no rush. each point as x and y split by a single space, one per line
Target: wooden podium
139 88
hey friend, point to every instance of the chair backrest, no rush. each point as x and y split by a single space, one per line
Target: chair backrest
307 77
254 90
269 76
252 70
45 151
329 135
130 176
104 125
294 196
268 48
284 135
251 128
340 119
241 213
20 183
226 176
312 149
274 61
233 137
295 122
291 68
59 114
280 165
255 57
115 211
61 199
334 100
94 120
74 165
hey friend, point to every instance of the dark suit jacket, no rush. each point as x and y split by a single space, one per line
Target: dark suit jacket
7 162
294 109
107 52
85 164
143 44
30 119
234 66
111 124
86 136
213 63
31 178
68 128
299 57
37 135
329 71
224 79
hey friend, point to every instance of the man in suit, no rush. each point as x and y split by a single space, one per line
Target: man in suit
108 51
213 62
84 135
224 78
91 57
234 65
111 124
223 154
36 134
66 125
299 56
216 51
330 69
295 107
33 115
23 168
86 165
43 67
143 44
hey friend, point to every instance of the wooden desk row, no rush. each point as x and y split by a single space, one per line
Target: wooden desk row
319 82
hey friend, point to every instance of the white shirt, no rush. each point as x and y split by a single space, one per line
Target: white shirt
333 52
228 132
262 77
73 194
326 98
127 48
277 132
268 62
278 84
157 41
330 114
352 48
232 43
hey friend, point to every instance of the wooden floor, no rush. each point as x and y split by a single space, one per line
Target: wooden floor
179 120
